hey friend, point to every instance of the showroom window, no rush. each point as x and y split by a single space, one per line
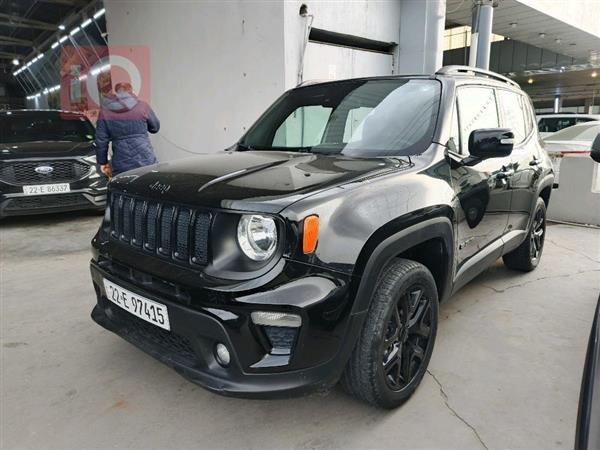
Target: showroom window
513 111
477 109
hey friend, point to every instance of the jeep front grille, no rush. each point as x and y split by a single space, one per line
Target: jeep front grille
172 231
62 171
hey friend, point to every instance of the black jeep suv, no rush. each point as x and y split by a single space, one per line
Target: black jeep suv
47 163
319 246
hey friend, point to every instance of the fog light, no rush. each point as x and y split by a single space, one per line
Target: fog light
222 355
276 319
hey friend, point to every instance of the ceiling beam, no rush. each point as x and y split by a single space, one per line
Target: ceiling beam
21 22
6 55
9 40
64 2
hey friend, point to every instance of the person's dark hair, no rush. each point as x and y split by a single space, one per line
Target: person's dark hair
124 87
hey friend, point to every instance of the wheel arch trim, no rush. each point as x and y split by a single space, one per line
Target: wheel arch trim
439 227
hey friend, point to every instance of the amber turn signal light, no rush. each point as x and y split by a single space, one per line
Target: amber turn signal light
310 234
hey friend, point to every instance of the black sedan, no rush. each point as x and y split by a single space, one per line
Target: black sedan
47 163
588 420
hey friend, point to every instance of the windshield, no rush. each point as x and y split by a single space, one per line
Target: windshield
45 127
364 118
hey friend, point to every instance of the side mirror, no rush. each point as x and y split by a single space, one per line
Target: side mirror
491 143
595 153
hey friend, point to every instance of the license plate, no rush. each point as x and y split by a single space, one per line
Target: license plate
139 306
44 189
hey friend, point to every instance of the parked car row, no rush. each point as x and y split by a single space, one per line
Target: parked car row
567 135
551 123
47 163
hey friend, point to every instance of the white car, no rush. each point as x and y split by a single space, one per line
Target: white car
573 141
551 123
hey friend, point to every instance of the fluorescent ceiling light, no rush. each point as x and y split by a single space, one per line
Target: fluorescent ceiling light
61 27
55 45
85 23
74 31
99 13
62 39
100 69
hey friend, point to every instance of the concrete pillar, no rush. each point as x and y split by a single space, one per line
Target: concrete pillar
557 104
589 106
484 35
421 41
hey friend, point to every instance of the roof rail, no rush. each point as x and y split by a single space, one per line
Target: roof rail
447 70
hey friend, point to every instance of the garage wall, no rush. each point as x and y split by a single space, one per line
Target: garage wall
328 62
215 66
370 19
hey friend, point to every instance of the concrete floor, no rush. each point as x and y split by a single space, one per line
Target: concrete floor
505 372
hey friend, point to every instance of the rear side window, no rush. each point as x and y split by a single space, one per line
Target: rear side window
585 119
477 109
514 114
554 124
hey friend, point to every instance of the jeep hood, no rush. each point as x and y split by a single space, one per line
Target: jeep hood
253 181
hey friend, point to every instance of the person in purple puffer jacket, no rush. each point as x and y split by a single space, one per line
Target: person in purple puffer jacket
125 121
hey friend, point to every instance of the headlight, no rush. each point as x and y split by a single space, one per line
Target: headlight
90 159
257 236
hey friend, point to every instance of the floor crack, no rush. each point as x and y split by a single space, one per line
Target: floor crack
566 275
577 252
453 411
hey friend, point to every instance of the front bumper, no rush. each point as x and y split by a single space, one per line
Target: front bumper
87 192
19 204
199 320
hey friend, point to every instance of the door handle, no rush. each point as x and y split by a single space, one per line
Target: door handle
506 172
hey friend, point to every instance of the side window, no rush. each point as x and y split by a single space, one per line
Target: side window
477 109
529 113
303 128
514 114
544 125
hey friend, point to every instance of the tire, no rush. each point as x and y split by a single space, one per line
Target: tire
406 289
526 256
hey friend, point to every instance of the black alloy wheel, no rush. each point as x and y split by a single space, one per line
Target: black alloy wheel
395 344
537 235
407 338
526 256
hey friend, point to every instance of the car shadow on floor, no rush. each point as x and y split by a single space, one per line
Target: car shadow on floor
45 220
